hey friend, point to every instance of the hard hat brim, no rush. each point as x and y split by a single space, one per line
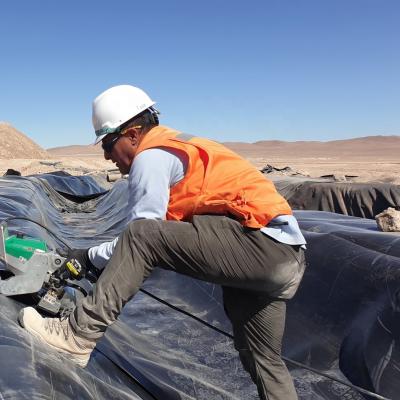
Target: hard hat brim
102 133
100 138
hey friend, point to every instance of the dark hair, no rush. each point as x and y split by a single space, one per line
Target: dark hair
147 119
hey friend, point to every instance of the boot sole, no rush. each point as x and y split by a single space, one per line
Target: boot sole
66 354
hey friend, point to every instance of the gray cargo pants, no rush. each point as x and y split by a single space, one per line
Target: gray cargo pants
256 272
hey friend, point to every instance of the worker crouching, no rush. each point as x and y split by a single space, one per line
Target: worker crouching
198 209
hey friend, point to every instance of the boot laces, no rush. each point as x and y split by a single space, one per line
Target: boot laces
58 326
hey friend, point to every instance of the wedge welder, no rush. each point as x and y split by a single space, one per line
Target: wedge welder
29 267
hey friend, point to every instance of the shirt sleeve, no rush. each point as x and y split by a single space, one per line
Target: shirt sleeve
152 174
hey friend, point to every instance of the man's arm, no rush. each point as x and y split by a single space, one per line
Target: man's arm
152 174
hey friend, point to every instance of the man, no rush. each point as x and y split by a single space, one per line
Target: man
196 208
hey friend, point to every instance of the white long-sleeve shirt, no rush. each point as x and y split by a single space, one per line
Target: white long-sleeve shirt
153 172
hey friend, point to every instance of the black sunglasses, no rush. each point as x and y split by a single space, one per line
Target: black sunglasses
108 146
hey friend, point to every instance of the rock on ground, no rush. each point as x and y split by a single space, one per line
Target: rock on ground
389 220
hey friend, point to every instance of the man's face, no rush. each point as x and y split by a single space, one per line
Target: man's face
121 149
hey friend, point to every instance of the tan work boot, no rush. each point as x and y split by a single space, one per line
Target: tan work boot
58 334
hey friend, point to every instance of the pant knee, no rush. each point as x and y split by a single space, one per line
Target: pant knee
141 232
142 227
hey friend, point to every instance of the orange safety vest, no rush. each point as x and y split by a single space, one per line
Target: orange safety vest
217 181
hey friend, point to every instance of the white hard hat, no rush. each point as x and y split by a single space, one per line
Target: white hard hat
116 106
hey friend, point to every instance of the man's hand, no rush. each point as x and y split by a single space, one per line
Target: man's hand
78 265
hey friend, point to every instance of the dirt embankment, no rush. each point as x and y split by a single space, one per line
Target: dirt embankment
22 154
14 144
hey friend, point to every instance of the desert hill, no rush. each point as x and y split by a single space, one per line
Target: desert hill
76 150
370 159
377 147
14 144
22 154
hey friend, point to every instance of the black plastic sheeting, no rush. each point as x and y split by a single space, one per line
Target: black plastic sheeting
356 199
344 321
76 188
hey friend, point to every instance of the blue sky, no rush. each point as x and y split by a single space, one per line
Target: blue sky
227 70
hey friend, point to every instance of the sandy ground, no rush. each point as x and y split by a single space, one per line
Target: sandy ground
73 165
365 159
362 169
356 170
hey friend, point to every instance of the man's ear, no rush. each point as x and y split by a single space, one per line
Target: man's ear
133 135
